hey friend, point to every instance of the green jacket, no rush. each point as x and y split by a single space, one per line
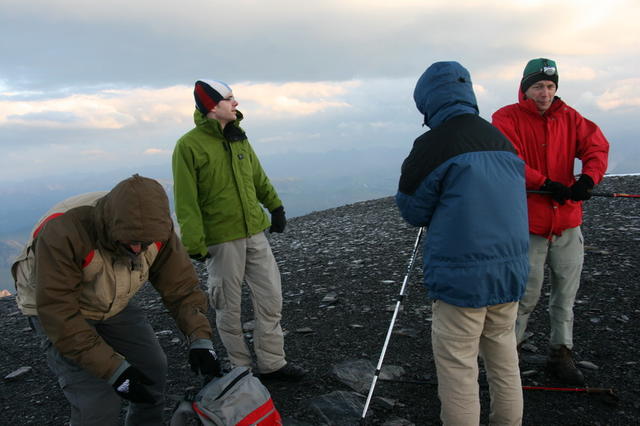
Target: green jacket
218 185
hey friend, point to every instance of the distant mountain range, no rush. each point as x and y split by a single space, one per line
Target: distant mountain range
306 182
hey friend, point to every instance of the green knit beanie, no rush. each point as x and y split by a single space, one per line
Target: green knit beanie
537 70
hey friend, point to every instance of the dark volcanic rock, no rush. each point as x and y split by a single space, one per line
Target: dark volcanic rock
341 269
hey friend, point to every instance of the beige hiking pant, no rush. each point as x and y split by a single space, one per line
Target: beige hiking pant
458 336
251 260
564 255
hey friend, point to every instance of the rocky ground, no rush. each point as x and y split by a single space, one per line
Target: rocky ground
342 271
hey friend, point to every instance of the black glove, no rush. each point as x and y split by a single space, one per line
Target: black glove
278 220
559 192
581 190
205 362
200 258
131 385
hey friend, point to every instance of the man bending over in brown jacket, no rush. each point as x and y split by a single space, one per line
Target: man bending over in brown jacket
90 260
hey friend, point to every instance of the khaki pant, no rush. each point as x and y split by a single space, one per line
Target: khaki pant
564 255
251 260
458 336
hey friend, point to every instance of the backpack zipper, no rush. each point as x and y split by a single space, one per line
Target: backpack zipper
230 385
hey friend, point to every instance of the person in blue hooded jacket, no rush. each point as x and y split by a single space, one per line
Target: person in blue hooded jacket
464 182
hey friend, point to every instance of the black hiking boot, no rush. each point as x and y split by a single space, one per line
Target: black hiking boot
561 366
289 373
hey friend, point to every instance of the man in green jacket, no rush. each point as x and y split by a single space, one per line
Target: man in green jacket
220 189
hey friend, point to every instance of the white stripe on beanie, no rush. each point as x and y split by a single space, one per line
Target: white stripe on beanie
219 86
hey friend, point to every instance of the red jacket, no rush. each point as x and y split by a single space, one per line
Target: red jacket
549 145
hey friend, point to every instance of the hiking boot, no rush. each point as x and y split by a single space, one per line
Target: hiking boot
289 373
560 365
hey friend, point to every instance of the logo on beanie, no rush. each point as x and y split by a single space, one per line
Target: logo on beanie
208 93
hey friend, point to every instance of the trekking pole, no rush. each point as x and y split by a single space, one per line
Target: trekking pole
393 319
593 194
585 389
607 392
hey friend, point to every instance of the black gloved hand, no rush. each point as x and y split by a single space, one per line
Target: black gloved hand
200 258
205 362
581 190
559 192
278 220
131 385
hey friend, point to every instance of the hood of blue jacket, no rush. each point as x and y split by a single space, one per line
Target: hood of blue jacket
444 91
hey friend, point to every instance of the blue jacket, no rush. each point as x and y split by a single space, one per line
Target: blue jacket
465 183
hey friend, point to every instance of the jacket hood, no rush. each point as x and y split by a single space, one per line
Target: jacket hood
444 91
137 209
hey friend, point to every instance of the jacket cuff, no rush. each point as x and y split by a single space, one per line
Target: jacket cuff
123 366
200 252
277 209
201 344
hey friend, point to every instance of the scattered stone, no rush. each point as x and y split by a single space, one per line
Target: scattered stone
528 373
408 332
595 320
392 308
18 373
391 372
330 298
357 374
290 421
339 408
386 403
588 365
164 333
175 340
598 251
533 359
304 330
398 421
249 326
356 325
387 281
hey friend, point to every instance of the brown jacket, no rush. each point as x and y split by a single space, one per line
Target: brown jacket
82 272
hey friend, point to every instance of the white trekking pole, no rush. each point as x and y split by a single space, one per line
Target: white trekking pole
393 319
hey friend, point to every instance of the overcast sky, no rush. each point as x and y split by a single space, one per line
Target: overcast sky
94 85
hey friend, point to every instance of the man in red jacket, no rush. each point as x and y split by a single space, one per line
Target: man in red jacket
549 135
